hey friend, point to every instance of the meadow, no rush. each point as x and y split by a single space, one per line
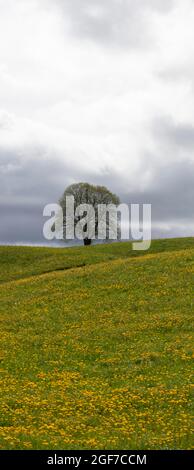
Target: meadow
96 346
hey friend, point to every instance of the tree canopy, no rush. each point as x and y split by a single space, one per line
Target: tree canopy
90 195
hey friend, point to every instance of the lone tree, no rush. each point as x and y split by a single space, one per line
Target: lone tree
87 194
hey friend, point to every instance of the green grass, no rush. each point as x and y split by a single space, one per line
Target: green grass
21 262
96 346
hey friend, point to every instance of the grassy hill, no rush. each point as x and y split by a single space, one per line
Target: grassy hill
96 346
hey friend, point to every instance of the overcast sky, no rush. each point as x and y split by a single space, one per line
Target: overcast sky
98 91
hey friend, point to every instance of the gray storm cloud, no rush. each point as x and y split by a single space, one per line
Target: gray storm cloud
179 135
113 22
28 188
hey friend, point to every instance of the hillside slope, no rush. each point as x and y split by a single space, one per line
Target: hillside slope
98 356
20 262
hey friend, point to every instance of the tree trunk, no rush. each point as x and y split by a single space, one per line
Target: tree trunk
87 241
